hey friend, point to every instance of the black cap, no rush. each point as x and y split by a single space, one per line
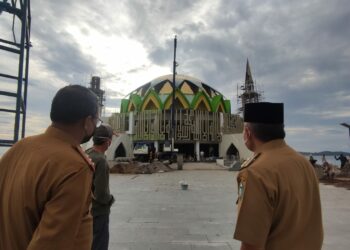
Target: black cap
264 112
103 132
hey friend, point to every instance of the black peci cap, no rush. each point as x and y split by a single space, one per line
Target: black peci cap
264 112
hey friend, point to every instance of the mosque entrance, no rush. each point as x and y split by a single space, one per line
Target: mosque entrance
232 153
120 151
209 151
187 150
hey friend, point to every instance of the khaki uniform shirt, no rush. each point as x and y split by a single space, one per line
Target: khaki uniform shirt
45 194
279 201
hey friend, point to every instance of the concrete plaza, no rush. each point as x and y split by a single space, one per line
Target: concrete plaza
152 212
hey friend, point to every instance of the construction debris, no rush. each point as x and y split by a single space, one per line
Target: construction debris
135 167
336 177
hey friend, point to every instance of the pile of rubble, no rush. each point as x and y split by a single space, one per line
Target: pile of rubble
337 177
135 167
337 182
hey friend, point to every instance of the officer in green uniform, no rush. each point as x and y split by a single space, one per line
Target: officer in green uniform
278 193
102 198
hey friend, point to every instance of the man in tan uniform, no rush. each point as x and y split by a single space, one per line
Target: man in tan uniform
45 180
278 193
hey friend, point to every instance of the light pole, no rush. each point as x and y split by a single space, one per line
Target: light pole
173 100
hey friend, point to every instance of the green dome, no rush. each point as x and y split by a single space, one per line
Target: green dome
190 93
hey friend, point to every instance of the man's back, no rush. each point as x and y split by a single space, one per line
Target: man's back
281 204
101 202
40 178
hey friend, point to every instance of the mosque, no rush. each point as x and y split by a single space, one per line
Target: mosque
199 126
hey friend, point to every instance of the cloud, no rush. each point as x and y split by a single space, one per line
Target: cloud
341 112
298 51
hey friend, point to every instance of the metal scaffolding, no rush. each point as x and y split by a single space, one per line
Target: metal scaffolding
20 10
250 93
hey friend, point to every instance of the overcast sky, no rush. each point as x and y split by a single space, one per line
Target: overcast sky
299 52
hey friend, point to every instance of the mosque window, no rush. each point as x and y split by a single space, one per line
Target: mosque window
132 107
202 106
220 109
150 105
166 89
186 89
178 104
158 86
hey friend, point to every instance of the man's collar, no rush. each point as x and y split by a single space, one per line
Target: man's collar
270 145
61 135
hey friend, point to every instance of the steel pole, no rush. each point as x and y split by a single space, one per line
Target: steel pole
173 100
23 17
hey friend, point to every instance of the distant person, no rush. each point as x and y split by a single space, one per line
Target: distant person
278 201
201 155
151 153
102 198
329 171
343 160
323 159
312 161
45 180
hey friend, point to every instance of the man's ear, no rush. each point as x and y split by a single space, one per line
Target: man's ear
247 131
86 121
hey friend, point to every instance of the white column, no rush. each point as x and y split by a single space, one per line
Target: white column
156 145
197 151
131 123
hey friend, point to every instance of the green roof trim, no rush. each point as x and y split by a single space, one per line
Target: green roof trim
180 94
216 101
124 106
149 95
197 97
227 105
136 100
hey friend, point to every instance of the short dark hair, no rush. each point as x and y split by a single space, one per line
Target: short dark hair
266 131
72 103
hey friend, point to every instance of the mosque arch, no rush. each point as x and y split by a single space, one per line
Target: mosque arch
120 151
218 104
134 103
220 109
201 106
232 152
227 105
131 107
180 99
124 105
151 101
201 101
190 93
150 105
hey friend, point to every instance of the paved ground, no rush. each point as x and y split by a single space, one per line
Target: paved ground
152 212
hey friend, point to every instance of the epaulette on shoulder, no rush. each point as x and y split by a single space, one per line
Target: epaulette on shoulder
86 158
249 161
